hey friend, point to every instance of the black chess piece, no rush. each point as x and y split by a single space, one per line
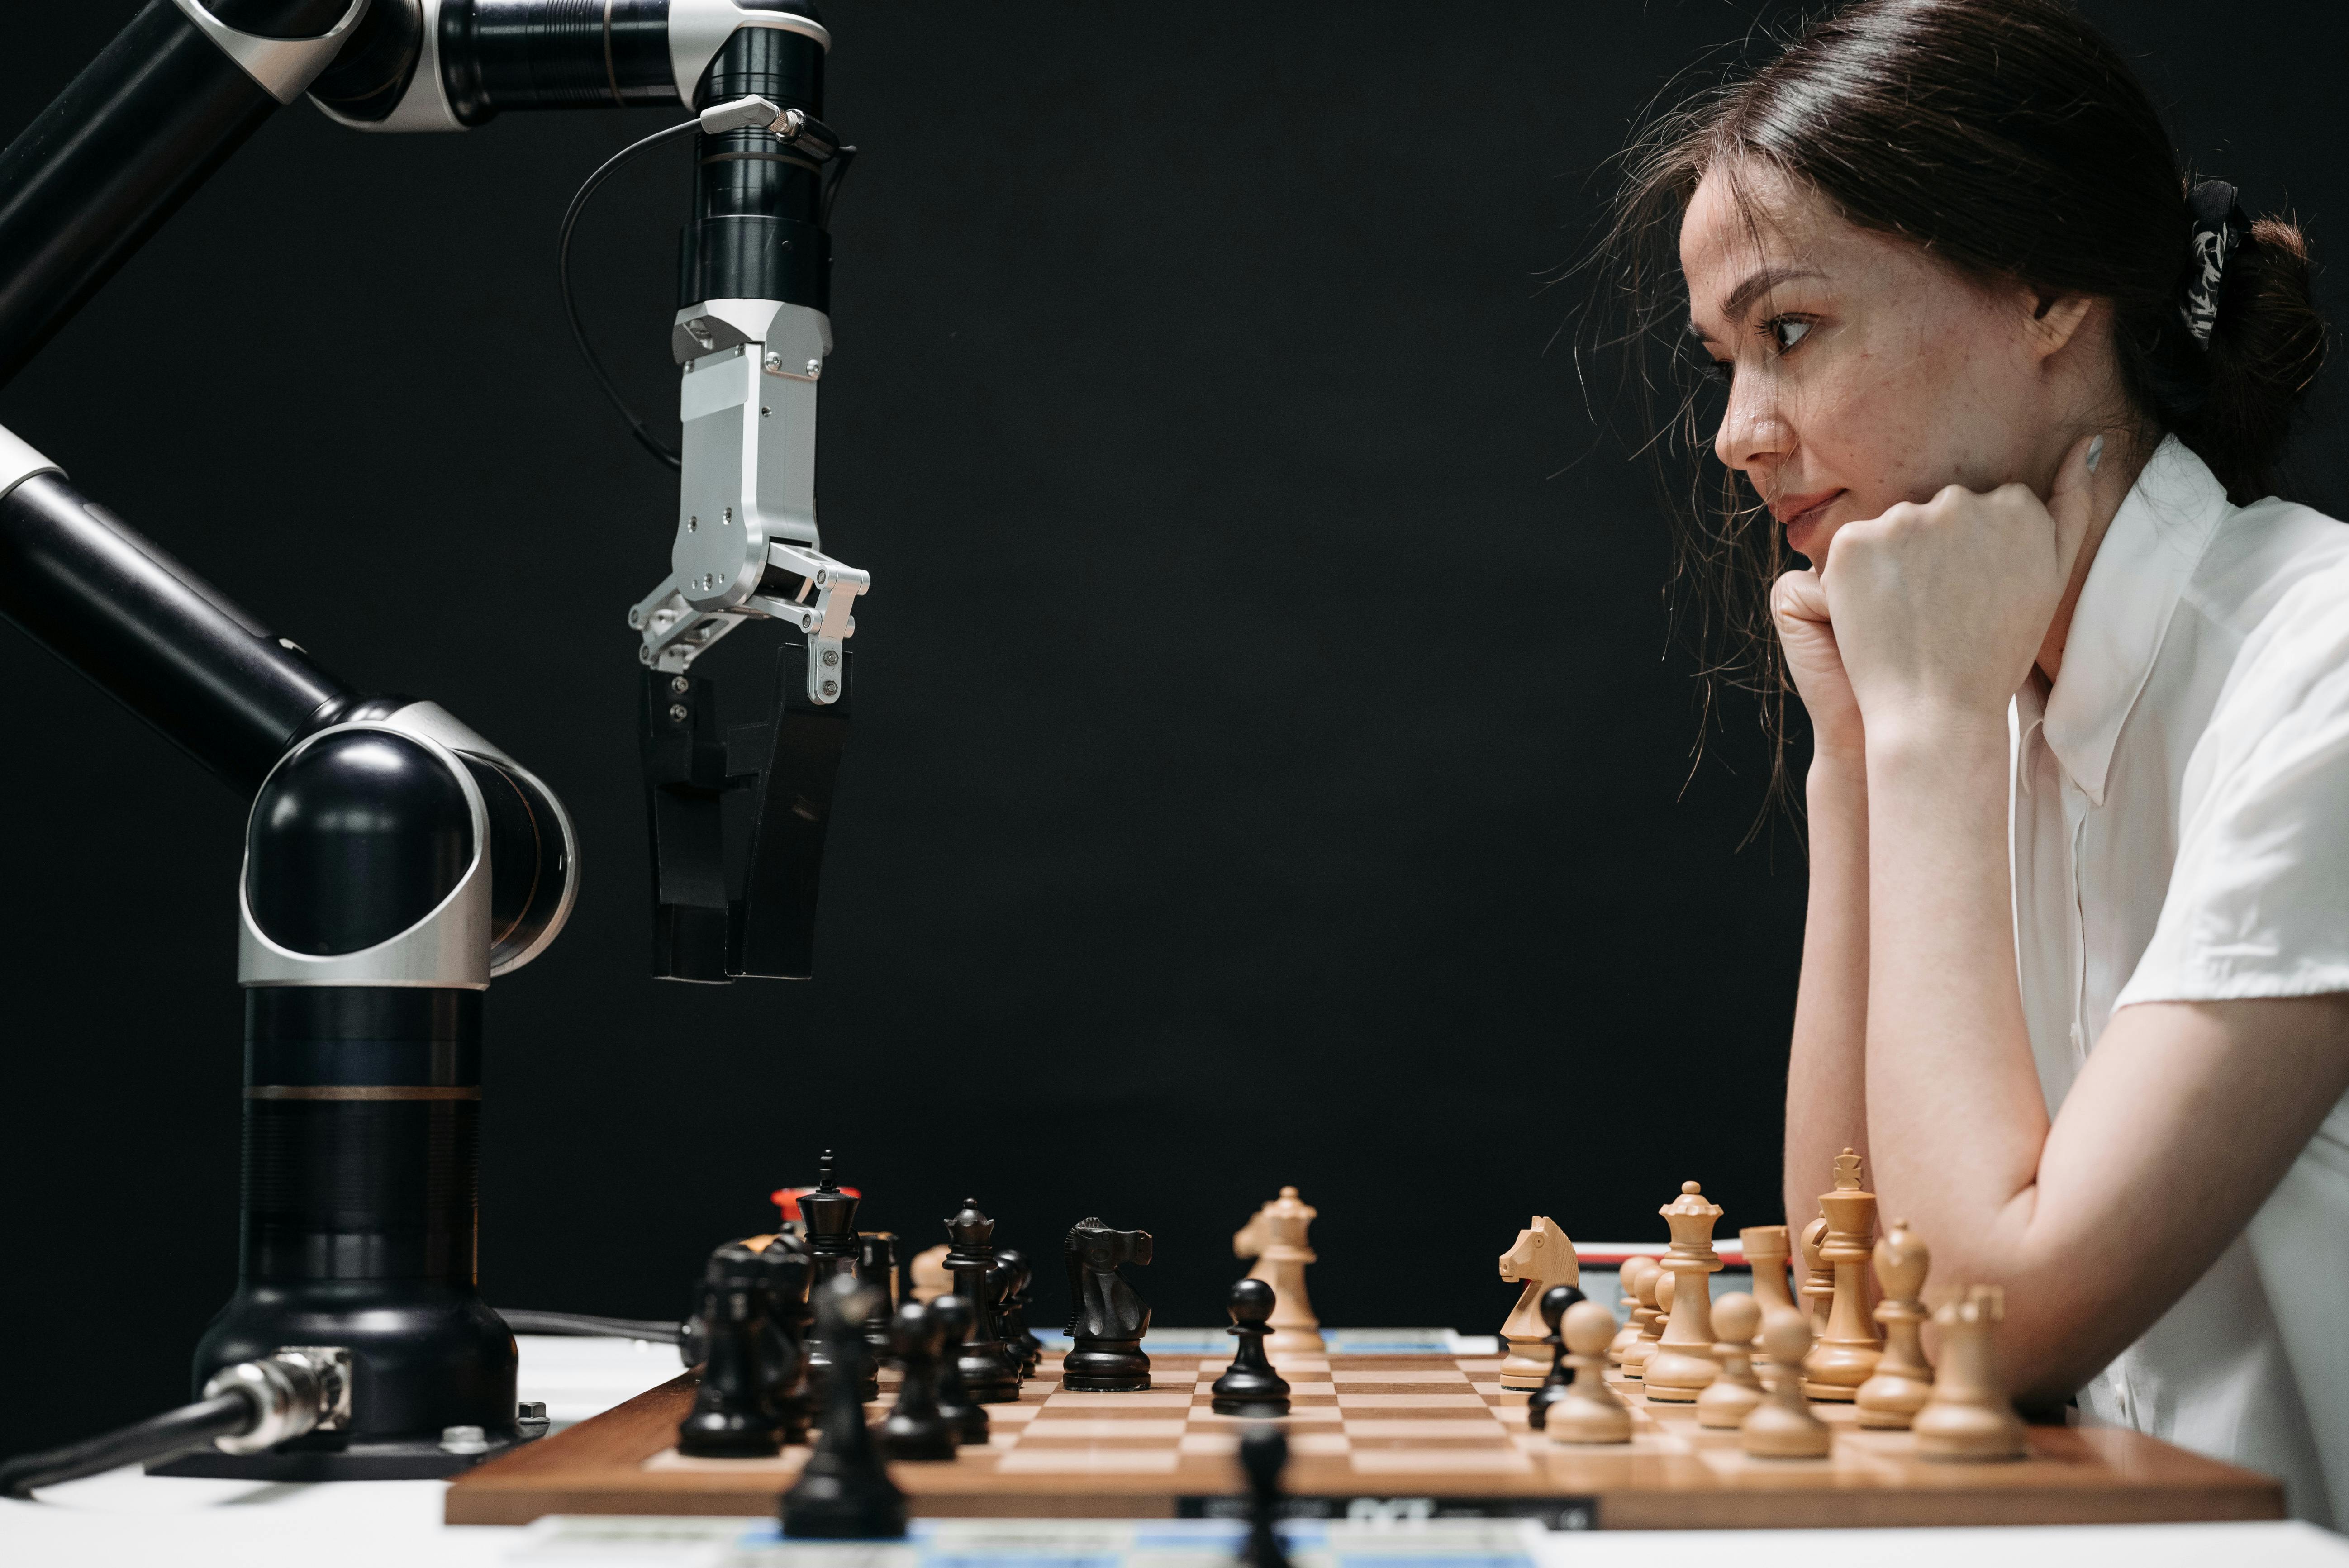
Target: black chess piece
1250 1386
1264 1454
734 1414
1107 1319
966 1415
1012 1321
783 1369
783 1276
1002 1279
916 1429
830 1217
1553 1302
877 1266
987 1370
833 1249
843 1490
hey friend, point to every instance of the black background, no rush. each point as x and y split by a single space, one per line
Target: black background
1269 753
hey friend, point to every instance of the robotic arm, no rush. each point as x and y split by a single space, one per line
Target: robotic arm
396 861
751 334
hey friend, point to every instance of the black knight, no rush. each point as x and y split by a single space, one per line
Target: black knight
1106 1318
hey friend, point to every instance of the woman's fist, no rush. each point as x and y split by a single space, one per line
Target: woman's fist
1798 604
1939 609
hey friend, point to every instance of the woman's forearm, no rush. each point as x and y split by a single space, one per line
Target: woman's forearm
1952 1094
1827 1071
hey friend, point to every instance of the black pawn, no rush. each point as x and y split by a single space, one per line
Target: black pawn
877 1266
986 1367
1013 1324
1250 1386
1553 1302
783 1370
966 1415
843 1491
1002 1282
733 1416
916 1429
1264 1454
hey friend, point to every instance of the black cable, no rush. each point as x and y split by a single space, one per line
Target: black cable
160 1437
588 1325
838 177
645 438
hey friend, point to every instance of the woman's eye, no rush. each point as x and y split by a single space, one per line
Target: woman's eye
1786 331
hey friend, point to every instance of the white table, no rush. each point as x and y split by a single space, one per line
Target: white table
127 1519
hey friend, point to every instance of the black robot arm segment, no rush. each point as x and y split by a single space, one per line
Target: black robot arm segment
132 138
184 84
252 708
451 65
81 583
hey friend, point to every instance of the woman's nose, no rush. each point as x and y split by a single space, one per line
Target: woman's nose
1753 428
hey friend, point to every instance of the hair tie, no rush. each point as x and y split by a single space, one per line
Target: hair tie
2220 230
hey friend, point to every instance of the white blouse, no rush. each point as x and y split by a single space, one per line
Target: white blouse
2179 831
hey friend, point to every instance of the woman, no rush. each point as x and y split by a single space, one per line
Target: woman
2075 970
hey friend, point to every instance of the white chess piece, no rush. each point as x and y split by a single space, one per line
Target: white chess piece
1589 1413
1781 1426
1542 1256
1275 1238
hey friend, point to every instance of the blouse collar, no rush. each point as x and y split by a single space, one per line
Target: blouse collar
2141 570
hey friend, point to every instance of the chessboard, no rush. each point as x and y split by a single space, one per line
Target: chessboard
1381 1436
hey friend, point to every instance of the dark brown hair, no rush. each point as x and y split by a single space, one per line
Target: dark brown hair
2011 141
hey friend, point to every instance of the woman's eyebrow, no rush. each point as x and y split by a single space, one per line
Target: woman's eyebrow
1742 296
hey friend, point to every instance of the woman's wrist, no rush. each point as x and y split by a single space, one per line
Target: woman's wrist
1930 737
1839 750
1838 779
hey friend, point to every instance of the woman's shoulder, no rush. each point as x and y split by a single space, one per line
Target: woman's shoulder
2276 577
2272 558
2254 906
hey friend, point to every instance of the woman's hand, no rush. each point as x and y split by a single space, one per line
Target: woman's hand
1939 609
1798 604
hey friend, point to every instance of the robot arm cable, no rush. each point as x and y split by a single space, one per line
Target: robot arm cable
637 427
169 1435
590 1325
738 114
246 1407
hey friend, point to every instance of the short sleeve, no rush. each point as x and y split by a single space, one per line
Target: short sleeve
2258 903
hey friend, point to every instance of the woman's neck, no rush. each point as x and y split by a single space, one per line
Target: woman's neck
2125 454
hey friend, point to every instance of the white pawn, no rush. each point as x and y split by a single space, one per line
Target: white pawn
1636 1312
1588 1412
1730 1398
1781 1426
1656 1298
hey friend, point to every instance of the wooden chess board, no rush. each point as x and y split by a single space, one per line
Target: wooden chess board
1429 1434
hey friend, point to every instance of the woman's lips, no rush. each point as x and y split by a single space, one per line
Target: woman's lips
1795 510
1802 515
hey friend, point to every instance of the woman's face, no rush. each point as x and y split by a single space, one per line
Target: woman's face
1861 372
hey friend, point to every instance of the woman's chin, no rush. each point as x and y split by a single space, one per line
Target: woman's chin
1808 539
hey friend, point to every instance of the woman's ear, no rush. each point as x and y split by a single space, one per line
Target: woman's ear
2054 320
